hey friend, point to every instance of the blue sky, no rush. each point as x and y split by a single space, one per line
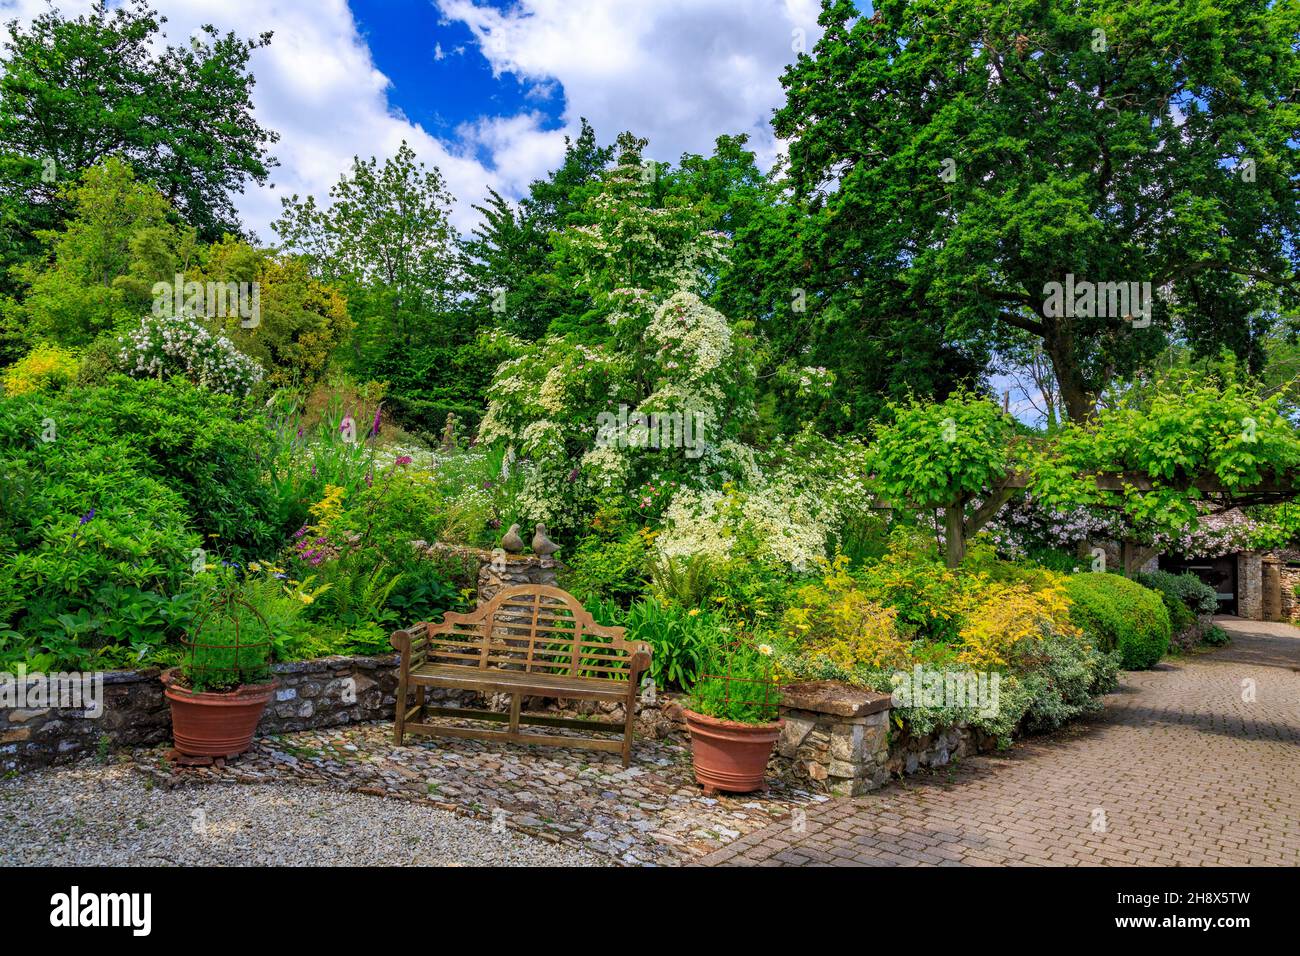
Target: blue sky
439 79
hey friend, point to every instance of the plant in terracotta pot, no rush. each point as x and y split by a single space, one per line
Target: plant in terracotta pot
220 690
732 717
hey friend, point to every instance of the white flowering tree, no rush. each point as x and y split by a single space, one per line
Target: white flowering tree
660 390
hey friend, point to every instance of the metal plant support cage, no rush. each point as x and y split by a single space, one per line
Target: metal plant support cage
205 665
771 687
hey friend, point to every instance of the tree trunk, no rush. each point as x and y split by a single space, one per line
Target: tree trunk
954 534
1058 343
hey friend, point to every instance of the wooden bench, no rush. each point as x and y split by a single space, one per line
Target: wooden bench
529 641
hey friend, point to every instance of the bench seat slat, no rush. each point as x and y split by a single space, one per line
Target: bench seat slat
534 684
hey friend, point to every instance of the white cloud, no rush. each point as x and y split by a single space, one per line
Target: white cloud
679 72
318 87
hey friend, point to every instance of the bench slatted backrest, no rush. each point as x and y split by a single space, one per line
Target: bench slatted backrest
534 628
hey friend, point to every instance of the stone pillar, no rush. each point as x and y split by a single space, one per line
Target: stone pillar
836 735
1250 603
1271 588
498 569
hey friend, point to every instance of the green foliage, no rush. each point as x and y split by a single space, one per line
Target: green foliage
938 454
102 526
609 566
1171 432
99 269
1066 681
386 240
686 582
1215 636
944 455
508 253
736 684
682 640
301 321
1185 595
74 92
953 158
235 633
1120 615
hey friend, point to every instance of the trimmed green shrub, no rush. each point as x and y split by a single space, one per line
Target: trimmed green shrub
1119 614
1067 681
1186 597
1194 594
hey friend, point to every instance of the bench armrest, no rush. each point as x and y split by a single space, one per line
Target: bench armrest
640 663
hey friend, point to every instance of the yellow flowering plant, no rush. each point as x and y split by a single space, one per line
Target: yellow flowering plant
834 619
45 368
1010 619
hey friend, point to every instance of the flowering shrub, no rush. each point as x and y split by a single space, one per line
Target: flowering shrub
836 621
45 368
1010 620
163 347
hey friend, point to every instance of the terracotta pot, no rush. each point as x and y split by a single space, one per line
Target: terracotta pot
215 724
728 755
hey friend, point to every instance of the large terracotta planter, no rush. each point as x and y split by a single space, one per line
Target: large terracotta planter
730 756
208 724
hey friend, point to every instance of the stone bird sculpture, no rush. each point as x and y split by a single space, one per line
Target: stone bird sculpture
512 542
542 545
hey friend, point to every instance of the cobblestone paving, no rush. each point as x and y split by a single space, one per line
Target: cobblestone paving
1194 763
650 813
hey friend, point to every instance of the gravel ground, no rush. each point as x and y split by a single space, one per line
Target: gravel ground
94 815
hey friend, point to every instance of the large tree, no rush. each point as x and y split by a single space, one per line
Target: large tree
387 240
956 157
96 274
74 92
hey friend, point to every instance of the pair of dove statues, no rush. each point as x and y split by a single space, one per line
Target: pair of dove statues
542 545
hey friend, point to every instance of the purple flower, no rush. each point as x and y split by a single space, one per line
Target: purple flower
374 429
403 460
87 516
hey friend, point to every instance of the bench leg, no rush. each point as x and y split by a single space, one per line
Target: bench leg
422 701
514 712
628 724
399 719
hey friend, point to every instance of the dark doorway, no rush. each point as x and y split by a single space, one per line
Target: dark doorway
1218 573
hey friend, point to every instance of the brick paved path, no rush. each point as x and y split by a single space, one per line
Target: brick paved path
1180 770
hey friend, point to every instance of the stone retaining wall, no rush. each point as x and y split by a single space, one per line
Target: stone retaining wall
320 693
841 739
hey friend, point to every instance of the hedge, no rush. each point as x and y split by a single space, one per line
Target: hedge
1119 614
